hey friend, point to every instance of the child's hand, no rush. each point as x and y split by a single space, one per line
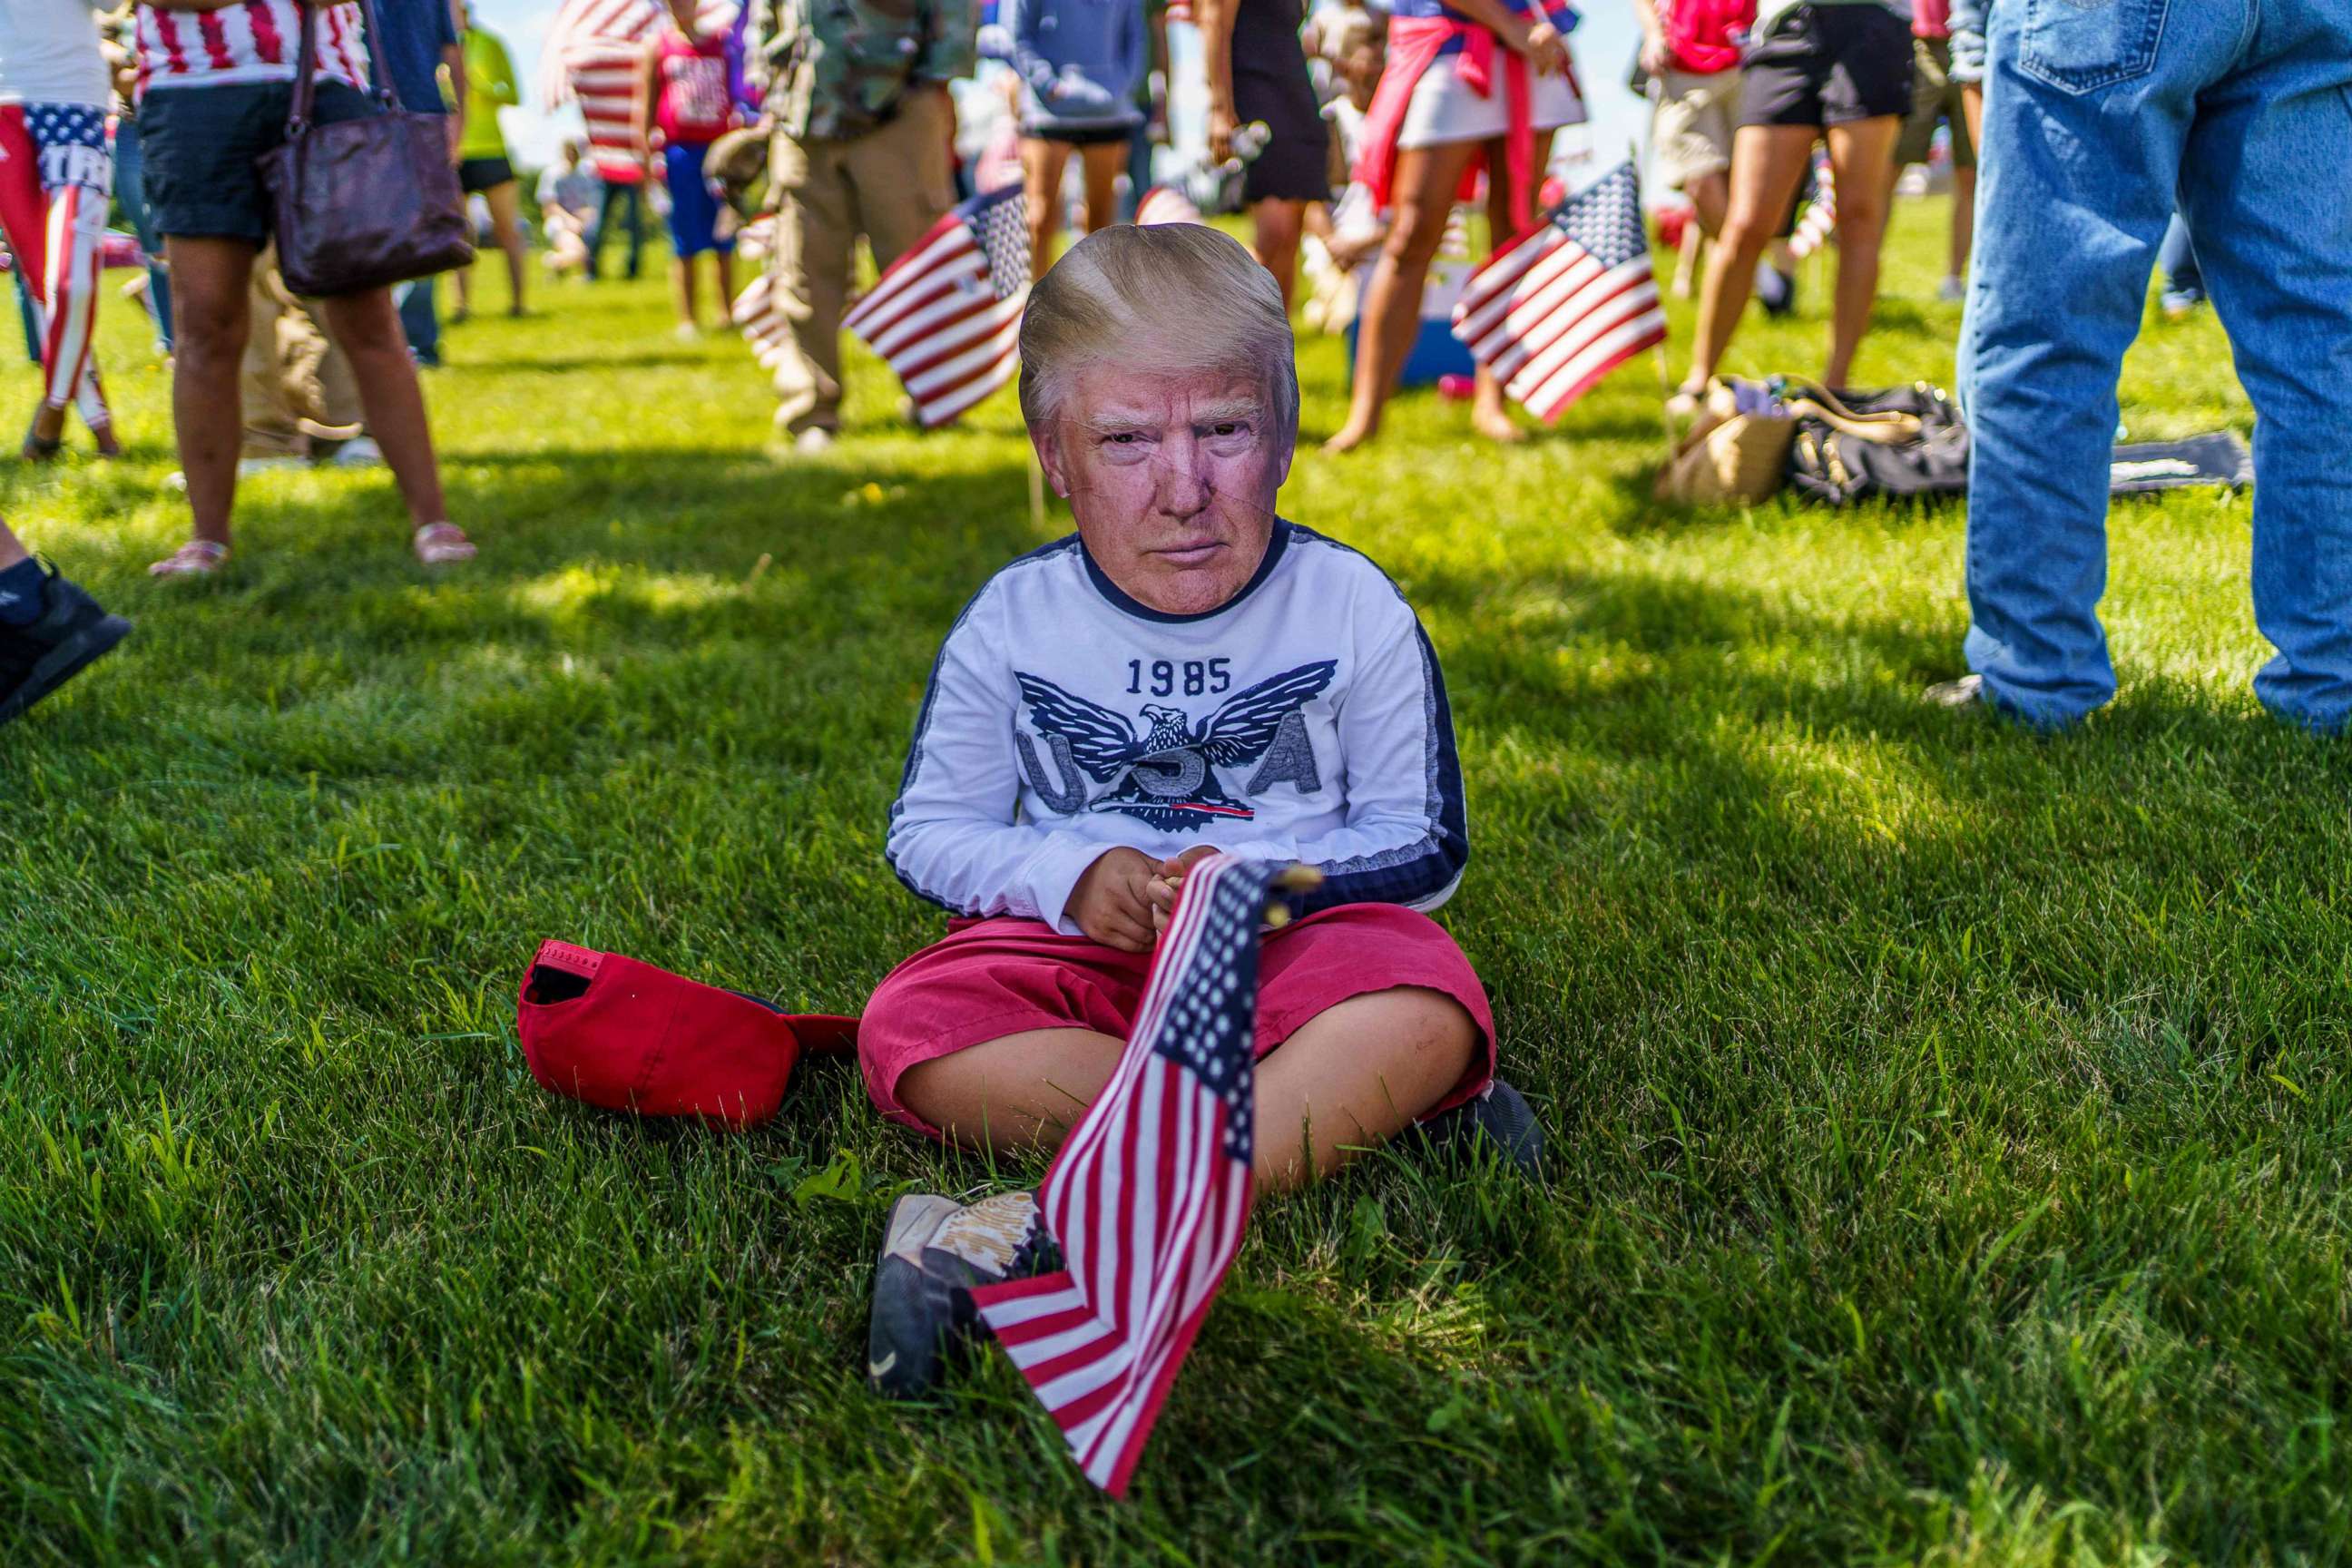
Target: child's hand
1112 901
1167 877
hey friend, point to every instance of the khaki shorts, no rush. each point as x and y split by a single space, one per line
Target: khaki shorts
1691 127
1933 96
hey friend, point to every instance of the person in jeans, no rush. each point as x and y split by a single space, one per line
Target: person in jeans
1078 63
217 84
1834 70
2096 120
857 91
420 41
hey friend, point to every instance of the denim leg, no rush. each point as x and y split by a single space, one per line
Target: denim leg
31 314
2085 116
2276 244
130 190
2177 259
420 321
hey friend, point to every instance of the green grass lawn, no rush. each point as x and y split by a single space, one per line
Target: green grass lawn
1951 1124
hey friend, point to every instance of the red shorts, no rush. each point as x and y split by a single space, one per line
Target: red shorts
1005 976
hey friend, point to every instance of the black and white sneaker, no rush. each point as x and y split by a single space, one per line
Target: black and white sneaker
934 1252
69 633
1502 1116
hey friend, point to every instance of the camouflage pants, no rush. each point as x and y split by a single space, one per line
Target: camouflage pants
889 185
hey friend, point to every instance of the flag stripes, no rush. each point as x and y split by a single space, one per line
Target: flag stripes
945 316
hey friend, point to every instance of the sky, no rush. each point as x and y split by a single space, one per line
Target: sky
1603 43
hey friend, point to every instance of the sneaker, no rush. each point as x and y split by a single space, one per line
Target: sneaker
1951 290
70 634
934 1251
814 442
1502 1116
1774 290
359 452
2179 304
1965 693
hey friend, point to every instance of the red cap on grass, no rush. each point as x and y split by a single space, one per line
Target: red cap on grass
627 1037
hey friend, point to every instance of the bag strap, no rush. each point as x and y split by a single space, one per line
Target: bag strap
306 84
306 87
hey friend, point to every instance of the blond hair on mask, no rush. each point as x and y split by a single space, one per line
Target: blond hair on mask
1166 297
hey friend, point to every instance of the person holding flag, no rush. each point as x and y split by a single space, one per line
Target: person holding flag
1188 673
857 91
1481 83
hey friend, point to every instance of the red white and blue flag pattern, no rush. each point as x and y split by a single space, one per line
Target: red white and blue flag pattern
1568 301
1151 1193
947 314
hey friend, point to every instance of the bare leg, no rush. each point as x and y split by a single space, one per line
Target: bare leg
1972 110
1279 224
1862 160
1351 1079
506 223
725 262
1710 197
681 288
211 313
1964 221
1489 416
1042 164
368 329
11 549
1768 164
1103 163
1426 179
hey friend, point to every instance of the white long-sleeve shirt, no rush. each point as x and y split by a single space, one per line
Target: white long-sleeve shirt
1303 719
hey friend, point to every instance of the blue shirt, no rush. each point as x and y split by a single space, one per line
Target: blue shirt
415 34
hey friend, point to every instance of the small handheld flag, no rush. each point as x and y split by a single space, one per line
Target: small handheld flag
1818 226
1569 300
1151 1193
947 314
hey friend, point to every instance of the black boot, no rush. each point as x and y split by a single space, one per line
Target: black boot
935 1251
1500 1116
70 631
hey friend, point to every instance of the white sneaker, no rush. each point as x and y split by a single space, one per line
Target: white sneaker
687 332
359 452
1951 290
814 442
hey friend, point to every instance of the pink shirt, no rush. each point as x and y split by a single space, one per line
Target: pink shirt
693 109
1931 18
256 41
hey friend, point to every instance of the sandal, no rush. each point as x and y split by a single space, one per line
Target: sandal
441 543
196 558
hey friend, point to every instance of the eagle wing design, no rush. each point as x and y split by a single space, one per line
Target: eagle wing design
1101 740
1240 730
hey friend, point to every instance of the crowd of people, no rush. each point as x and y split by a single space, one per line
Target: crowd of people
1358 135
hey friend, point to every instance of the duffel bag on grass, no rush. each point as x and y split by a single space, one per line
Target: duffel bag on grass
1906 441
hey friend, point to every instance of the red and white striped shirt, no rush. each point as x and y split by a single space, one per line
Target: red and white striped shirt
256 41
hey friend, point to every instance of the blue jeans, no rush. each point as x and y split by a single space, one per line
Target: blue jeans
2177 259
630 199
130 190
420 321
2099 115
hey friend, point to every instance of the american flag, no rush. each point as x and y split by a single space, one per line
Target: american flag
593 54
1150 1192
1569 300
1166 204
947 315
1818 226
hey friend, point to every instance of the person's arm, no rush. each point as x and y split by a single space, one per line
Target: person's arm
1533 36
641 103
1028 61
1157 25
500 88
1214 18
953 838
1406 838
1656 56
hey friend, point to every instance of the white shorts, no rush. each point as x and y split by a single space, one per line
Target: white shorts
1444 111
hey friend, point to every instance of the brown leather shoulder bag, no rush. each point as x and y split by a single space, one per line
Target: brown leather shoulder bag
361 204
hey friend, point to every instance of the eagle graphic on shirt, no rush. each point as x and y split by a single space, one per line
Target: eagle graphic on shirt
1163 770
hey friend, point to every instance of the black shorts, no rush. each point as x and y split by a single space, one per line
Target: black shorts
476 175
1828 65
1270 83
201 142
1081 135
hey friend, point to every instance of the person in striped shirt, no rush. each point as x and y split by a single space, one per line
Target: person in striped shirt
216 86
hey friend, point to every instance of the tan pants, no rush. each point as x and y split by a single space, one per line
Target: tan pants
296 384
889 185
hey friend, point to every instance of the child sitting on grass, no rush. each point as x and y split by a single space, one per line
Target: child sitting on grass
1187 672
